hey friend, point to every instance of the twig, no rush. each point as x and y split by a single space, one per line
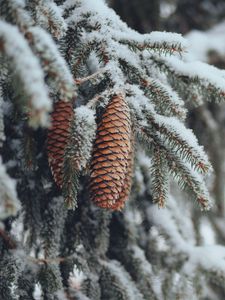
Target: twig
80 81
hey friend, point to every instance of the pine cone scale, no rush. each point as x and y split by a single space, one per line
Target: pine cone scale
125 192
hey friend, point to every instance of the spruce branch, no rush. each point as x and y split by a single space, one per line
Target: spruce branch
171 137
52 62
49 16
181 171
79 57
160 178
15 13
165 99
29 148
189 180
70 183
82 136
77 153
12 266
199 80
30 75
121 285
197 258
54 217
95 77
126 85
141 271
167 43
2 134
50 280
151 44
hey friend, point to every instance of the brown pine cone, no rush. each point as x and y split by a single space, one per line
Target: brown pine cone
57 140
110 159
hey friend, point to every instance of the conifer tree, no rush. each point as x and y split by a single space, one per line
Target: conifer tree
93 139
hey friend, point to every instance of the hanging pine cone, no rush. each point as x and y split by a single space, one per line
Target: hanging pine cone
110 159
58 134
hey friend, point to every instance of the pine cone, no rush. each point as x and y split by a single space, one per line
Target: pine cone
110 159
58 136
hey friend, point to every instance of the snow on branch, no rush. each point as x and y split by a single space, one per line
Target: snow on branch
166 100
198 259
189 179
178 138
122 285
82 136
156 108
161 42
2 135
110 24
49 16
174 150
197 80
15 13
181 171
78 152
52 62
26 67
9 204
48 49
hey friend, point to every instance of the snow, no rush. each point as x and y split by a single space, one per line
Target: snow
76 278
23 19
47 49
134 216
207 232
116 75
206 73
174 222
158 238
86 114
174 98
9 205
49 16
202 42
166 9
139 256
27 66
210 258
118 30
2 135
122 278
37 293
165 37
18 228
165 221
84 130
20 2
185 135
100 13
138 100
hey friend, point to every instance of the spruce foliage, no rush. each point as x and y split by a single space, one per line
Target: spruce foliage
92 120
